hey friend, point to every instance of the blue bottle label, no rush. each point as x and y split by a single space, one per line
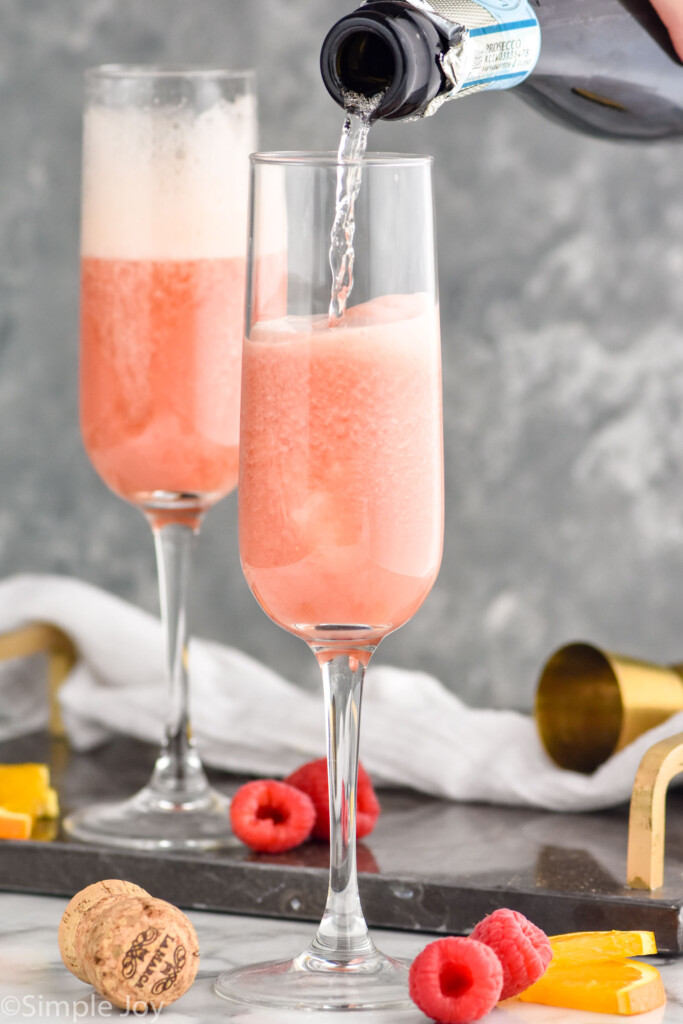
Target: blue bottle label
502 44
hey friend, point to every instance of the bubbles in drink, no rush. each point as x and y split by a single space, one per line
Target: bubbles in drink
164 231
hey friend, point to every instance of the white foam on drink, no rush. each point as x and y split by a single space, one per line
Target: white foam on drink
166 183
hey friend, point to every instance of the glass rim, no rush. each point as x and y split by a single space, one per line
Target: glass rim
142 71
304 158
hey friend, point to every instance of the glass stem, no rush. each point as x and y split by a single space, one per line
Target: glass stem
178 773
343 934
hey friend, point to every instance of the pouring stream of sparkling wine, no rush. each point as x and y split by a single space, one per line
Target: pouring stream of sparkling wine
352 146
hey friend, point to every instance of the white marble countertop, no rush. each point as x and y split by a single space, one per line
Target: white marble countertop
34 984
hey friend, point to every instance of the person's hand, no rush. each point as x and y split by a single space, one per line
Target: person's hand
671 13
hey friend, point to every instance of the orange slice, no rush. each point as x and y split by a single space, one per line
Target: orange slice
14 826
581 946
603 986
25 789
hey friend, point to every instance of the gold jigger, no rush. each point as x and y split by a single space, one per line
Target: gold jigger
591 703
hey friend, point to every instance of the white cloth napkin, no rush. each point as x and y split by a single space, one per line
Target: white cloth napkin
248 719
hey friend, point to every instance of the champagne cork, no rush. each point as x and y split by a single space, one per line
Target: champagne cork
74 925
136 951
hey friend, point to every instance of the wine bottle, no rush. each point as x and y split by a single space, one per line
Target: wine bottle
606 67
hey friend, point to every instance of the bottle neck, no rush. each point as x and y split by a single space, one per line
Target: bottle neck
389 48
415 56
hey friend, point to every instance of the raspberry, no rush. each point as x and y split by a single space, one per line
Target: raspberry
311 778
523 949
271 816
455 979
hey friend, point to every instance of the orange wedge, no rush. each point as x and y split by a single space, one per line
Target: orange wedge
603 986
25 789
13 825
581 946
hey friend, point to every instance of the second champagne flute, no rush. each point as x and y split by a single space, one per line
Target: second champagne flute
165 180
341 485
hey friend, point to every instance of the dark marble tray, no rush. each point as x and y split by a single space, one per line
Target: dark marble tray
429 865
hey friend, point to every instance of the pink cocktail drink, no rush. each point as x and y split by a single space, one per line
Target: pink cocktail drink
162 298
160 371
341 477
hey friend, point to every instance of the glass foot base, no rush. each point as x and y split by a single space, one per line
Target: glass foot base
308 982
148 821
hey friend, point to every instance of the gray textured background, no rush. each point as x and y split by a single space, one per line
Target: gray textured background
561 263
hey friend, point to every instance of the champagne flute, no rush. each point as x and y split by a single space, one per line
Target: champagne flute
340 490
164 219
